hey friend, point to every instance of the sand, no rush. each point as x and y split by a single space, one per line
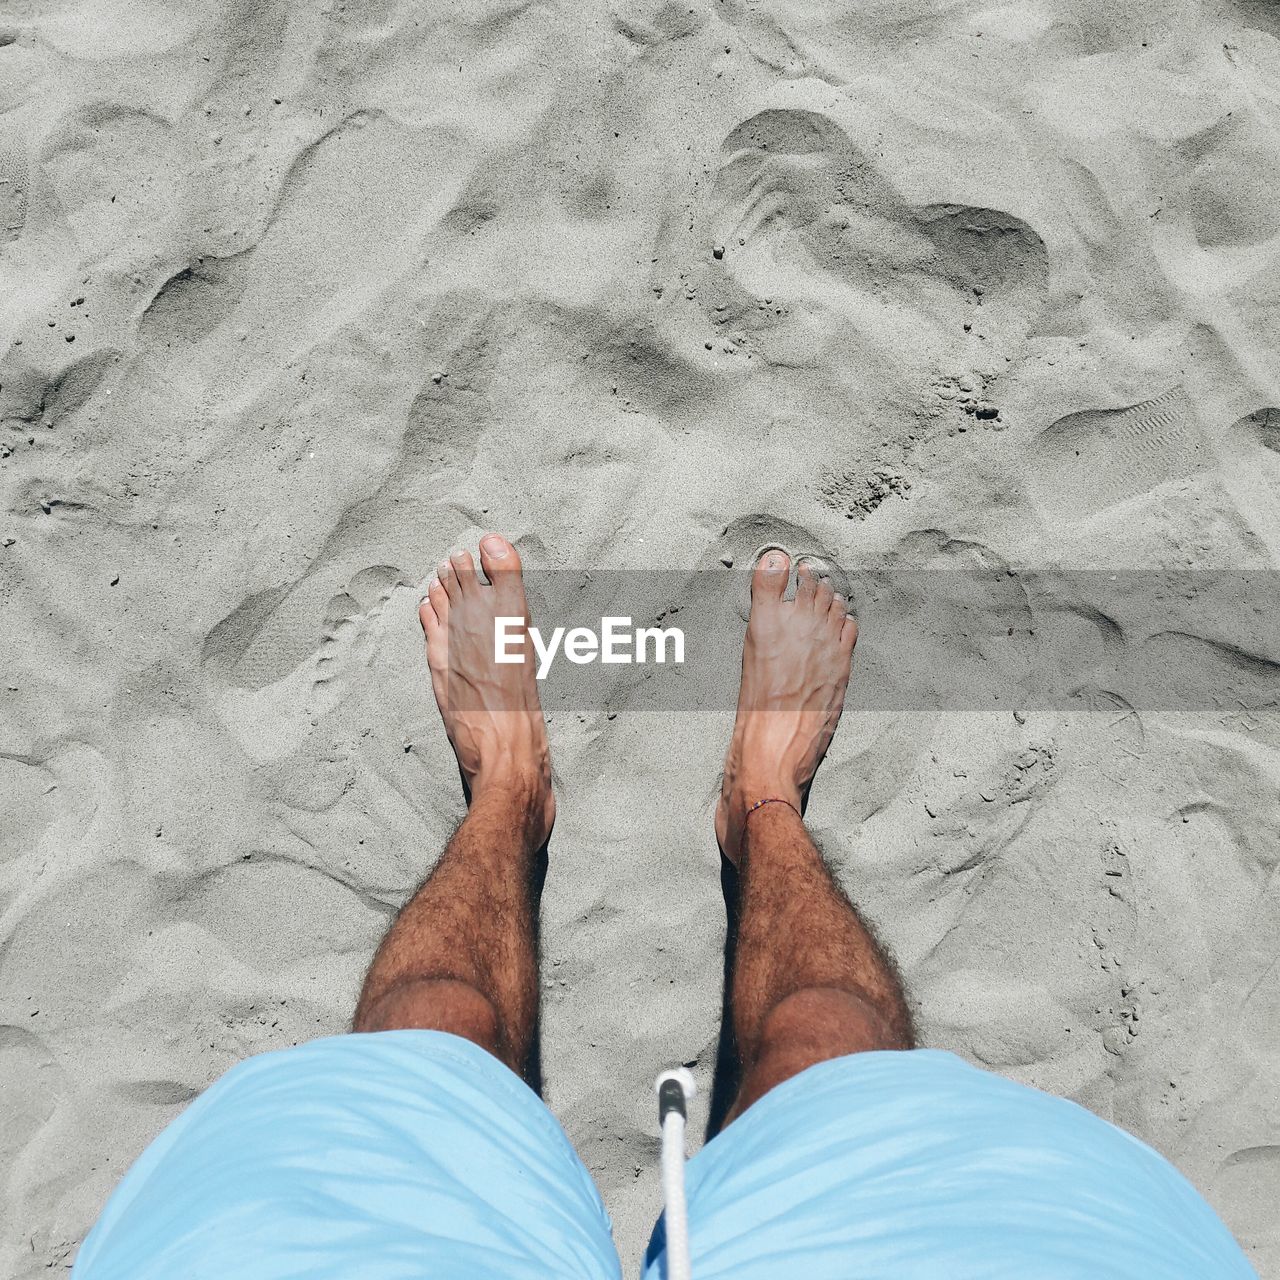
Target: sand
295 296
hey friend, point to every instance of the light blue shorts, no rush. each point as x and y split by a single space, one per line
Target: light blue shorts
414 1154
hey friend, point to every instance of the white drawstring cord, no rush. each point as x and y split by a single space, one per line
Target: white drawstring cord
674 1089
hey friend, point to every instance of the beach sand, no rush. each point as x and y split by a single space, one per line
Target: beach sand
294 297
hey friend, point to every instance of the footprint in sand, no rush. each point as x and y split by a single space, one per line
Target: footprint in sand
795 199
195 301
741 543
1213 177
31 394
271 721
451 410
238 905
944 625
1250 462
347 630
987 253
1248 1180
1182 672
1258 430
357 199
1088 461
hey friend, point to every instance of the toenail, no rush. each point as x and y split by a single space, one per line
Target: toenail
494 546
775 560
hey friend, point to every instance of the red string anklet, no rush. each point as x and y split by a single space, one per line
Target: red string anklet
759 804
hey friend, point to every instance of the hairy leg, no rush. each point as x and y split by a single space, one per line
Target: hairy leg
462 955
809 982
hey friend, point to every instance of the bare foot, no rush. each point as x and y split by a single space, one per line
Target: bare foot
490 710
795 669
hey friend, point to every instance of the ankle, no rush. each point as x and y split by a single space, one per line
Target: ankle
750 788
520 790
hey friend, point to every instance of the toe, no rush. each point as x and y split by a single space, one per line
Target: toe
449 579
849 633
823 597
497 555
433 613
837 612
501 564
769 580
465 569
428 617
438 599
806 585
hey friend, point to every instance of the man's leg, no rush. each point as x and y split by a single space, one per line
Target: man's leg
346 1155
809 981
462 955
873 1164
